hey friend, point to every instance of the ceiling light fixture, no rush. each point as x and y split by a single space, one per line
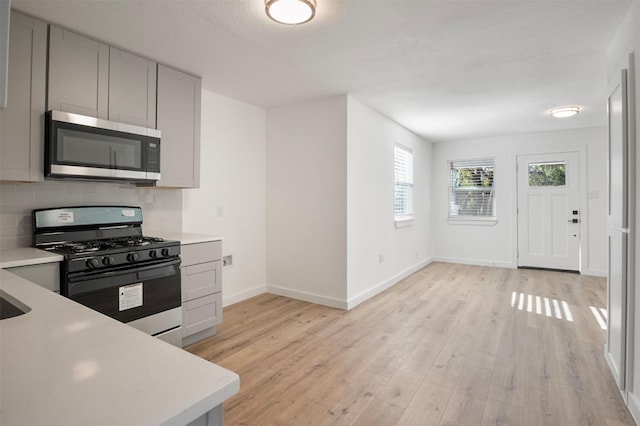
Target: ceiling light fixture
290 12
565 111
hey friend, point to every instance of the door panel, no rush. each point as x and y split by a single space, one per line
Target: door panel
560 229
615 351
535 206
548 193
616 336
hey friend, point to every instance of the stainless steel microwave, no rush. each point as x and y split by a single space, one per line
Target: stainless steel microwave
81 147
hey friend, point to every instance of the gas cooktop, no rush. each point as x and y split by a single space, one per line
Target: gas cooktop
89 247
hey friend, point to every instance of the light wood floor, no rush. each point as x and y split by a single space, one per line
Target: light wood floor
449 345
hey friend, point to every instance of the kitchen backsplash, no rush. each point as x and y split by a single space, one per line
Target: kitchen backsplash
161 208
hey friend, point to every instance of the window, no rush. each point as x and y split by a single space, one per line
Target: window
471 190
547 174
403 165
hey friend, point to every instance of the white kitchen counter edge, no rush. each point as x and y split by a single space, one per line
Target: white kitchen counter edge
63 363
26 256
190 238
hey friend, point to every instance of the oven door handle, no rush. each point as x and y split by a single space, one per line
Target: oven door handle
158 265
84 276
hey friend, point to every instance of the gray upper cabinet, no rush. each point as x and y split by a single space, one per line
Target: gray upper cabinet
132 89
78 74
91 78
22 121
179 121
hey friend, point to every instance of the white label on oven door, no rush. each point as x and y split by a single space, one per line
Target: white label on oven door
130 296
128 213
65 217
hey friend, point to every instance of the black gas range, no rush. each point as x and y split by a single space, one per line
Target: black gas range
111 267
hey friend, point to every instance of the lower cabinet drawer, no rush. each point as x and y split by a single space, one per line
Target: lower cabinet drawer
192 254
201 313
201 280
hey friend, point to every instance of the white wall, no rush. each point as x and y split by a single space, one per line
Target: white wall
232 176
371 232
161 208
307 201
497 245
628 41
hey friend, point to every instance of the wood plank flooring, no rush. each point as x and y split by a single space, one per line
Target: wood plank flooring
449 345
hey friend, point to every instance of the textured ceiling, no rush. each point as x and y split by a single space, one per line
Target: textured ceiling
445 69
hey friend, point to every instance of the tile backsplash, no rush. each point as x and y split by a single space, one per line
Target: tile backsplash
161 208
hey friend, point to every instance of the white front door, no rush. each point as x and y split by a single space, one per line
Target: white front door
549 210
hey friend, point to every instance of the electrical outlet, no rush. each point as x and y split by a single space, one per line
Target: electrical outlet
227 261
219 211
381 258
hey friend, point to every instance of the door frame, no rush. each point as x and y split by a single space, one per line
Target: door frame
584 202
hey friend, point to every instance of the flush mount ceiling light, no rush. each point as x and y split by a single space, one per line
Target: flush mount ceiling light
290 12
565 111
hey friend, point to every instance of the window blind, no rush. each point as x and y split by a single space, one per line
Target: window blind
471 188
403 165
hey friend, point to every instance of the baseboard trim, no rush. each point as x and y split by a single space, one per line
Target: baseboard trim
476 262
307 297
594 273
633 402
243 295
355 301
368 294
612 366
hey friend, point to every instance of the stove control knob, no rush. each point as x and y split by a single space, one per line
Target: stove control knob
92 263
108 260
153 254
132 257
165 252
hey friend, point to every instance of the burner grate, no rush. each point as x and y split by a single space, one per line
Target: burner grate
79 247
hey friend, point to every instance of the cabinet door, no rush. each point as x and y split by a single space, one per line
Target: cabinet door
22 121
78 74
179 121
201 280
201 314
132 89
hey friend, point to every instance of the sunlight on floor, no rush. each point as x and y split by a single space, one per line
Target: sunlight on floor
541 305
601 316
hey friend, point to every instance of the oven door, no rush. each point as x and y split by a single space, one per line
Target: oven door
128 293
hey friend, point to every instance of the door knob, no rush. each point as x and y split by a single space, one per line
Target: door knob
573 220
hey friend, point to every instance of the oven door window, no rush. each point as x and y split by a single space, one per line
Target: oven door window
103 291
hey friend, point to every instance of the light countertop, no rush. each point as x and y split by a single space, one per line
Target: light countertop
63 363
26 256
190 238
